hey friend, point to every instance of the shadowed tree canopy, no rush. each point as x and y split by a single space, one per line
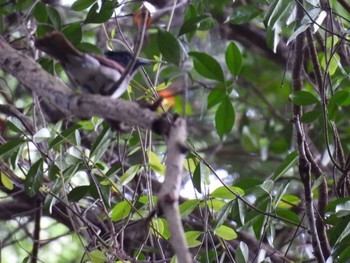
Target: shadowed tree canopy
231 144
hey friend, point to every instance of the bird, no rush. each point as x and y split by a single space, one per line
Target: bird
94 74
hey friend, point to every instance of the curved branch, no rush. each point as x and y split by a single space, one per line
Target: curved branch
304 163
168 197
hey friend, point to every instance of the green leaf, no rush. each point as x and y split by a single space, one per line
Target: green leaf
310 116
158 227
169 47
15 125
331 42
273 38
44 29
54 172
342 254
331 63
259 223
303 98
192 24
342 210
34 178
80 5
103 15
321 179
97 256
243 14
130 174
23 5
15 157
187 207
206 24
120 211
216 204
11 146
234 59
6 181
73 32
287 214
42 135
223 214
155 163
267 186
288 201
249 140
191 163
288 163
207 66
40 12
332 110
224 117
229 192
191 238
145 199
241 210
305 23
341 98
217 95
226 232
279 146
54 16
197 178
276 18
103 188
281 191
47 64
276 11
113 170
101 144
78 193
242 253
64 135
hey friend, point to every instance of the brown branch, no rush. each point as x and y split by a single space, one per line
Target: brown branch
36 234
321 205
168 197
316 65
322 189
304 164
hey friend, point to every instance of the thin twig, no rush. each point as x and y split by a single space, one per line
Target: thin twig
36 234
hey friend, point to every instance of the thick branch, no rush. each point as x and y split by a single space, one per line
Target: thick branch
168 197
304 164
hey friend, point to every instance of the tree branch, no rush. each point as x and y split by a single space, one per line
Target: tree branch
36 234
168 197
304 164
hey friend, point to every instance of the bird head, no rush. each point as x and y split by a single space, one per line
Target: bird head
124 57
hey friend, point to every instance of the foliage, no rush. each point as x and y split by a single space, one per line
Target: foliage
229 70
